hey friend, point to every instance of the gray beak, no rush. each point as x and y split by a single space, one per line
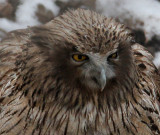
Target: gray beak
99 78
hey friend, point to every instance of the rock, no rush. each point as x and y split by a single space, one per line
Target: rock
6 10
44 15
74 4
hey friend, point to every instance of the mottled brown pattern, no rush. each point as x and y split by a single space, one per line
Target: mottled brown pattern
42 91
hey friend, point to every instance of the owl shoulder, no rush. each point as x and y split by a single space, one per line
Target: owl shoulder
144 62
15 47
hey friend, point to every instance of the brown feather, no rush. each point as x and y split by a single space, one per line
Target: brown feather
41 91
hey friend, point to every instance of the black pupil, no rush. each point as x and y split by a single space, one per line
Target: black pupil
79 56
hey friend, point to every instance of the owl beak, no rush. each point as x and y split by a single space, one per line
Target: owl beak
100 79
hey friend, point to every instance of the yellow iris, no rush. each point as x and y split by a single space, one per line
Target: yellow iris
79 58
113 56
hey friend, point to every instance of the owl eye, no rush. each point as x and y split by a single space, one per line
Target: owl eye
113 56
79 57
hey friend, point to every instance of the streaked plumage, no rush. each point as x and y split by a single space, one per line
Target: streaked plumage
44 92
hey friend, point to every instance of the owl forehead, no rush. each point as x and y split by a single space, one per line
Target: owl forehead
96 39
89 31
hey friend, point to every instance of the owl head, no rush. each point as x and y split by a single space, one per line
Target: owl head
87 51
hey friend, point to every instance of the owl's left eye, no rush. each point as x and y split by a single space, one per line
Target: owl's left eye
113 56
79 57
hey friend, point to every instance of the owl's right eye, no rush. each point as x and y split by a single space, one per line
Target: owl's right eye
79 57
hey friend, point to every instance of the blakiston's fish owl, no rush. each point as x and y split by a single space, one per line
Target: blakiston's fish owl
80 74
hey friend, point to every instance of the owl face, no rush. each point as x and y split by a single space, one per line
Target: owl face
90 70
88 51
95 69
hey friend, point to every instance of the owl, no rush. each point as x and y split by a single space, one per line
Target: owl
79 74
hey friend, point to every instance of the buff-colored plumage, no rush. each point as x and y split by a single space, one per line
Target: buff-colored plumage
44 92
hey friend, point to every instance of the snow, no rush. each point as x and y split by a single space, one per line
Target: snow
157 59
2 1
25 15
146 12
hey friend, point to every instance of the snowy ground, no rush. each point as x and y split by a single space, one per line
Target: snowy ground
25 14
141 15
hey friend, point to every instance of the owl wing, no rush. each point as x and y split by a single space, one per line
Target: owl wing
144 62
11 49
17 55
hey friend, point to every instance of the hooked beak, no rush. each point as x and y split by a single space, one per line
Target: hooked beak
100 79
